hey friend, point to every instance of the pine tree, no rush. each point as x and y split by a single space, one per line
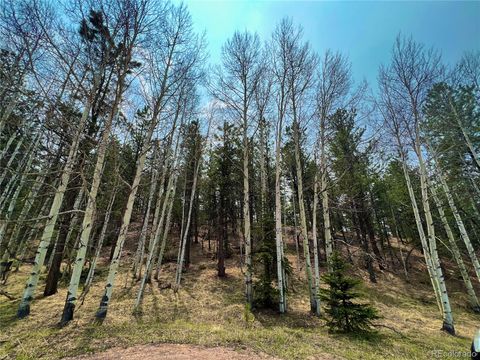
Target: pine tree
344 315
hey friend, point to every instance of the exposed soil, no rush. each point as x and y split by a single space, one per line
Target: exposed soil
174 352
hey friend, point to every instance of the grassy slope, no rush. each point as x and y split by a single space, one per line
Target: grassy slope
209 311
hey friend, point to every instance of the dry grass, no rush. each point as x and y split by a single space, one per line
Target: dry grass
209 311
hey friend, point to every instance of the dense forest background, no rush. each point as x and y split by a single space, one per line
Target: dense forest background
115 129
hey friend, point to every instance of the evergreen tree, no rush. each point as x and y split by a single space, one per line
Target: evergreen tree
344 314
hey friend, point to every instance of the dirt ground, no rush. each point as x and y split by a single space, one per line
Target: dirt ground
174 352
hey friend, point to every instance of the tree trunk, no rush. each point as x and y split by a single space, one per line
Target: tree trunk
324 193
117 252
24 307
167 228
421 232
460 224
315 244
278 220
246 218
447 312
154 244
89 217
93 265
456 253
185 234
64 231
138 262
303 221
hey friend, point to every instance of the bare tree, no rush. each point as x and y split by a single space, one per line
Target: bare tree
404 85
235 86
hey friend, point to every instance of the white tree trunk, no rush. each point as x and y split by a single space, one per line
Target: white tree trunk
24 308
421 233
154 244
470 146
303 222
115 263
278 220
91 271
137 264
446 309
89 216
7 145
460 224
178 277
456 252
315 244
166 230
7 169
14 241
324 193
246 219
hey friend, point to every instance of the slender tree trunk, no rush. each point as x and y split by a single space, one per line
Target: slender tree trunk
295 232
113 269
154 243
303 221
91 271
13 200
7 169
421 232
167 229
14 241
447 312
180 263
89 217
8 144
324 193
246 217
63 236
470 146
456 253
143 234
315 244
24 308
278 220
460 224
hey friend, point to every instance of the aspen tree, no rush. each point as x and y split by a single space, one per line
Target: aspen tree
315 244
334 82
168 76
281 88
131 28
198 162
137 264
98 249
24 308
456 252
237 80
412 72
158 229
302 63
459 221
153 246
12 158
14 241
447 311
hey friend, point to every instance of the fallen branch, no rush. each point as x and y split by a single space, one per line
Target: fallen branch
4 293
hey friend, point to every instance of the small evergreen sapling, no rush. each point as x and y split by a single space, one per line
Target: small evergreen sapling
343 314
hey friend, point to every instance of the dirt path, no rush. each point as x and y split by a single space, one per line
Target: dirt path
174 352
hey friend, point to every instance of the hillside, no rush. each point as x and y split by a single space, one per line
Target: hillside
210 312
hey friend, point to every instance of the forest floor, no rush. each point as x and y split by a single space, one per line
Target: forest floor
207 318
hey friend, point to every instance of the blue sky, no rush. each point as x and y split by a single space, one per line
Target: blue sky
364 31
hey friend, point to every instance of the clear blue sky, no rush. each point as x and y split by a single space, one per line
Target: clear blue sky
365 31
